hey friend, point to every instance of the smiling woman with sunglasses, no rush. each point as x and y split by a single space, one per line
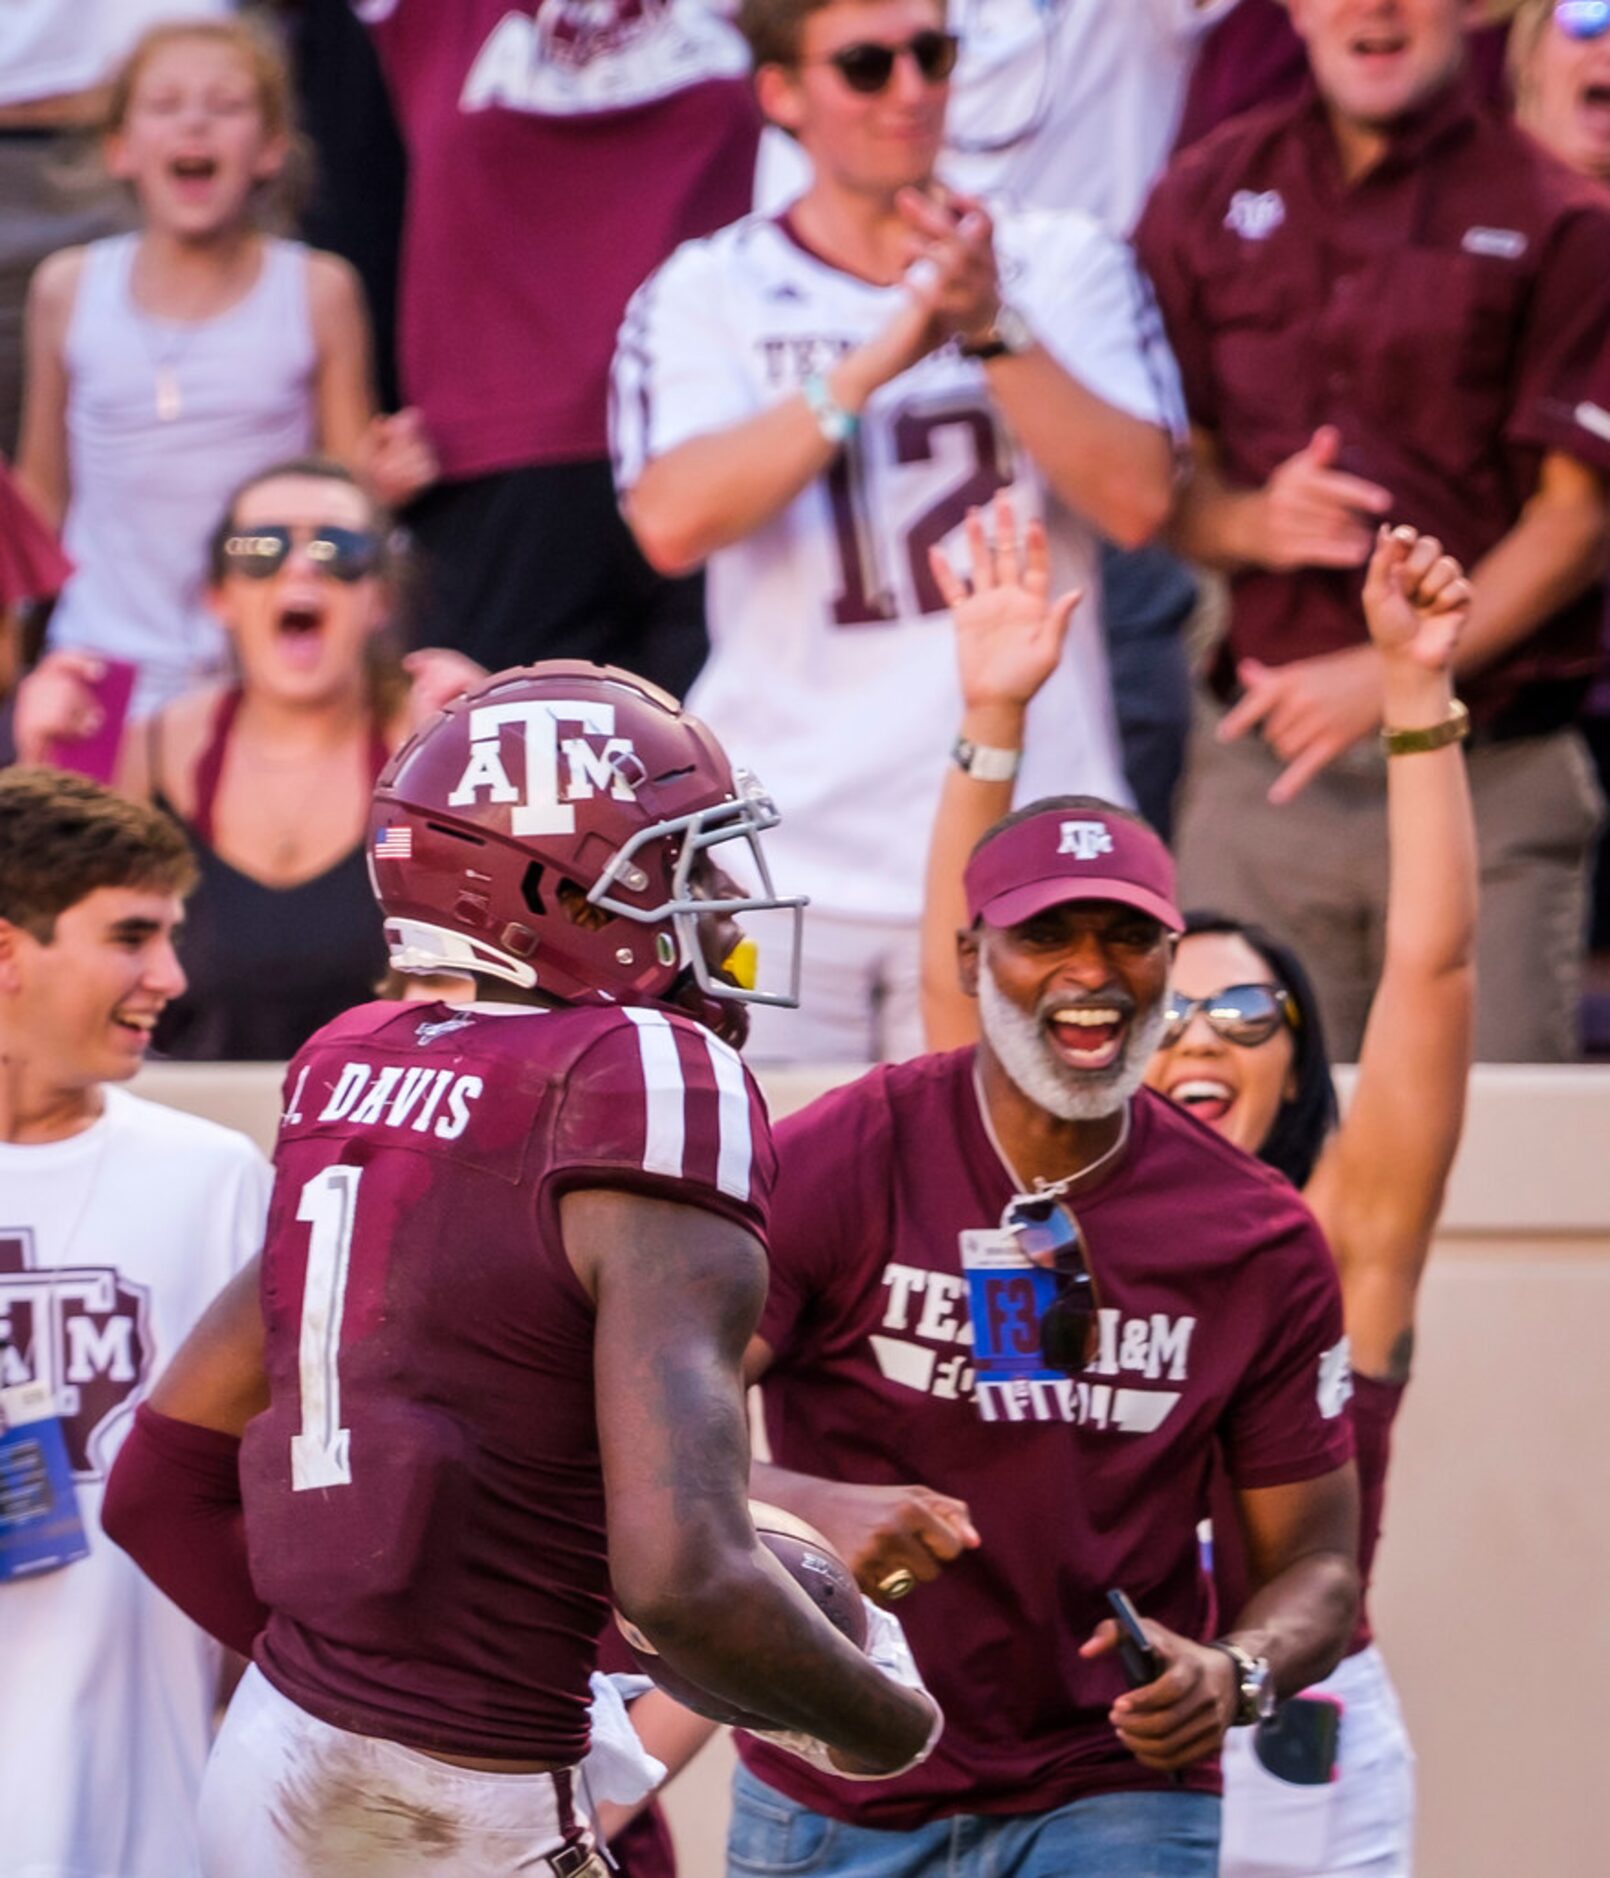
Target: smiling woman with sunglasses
1241 1048
271 773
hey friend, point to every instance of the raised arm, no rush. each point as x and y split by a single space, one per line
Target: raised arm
1009 637
678 1293
1379 1188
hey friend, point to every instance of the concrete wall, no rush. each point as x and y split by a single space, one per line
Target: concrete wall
1493 1593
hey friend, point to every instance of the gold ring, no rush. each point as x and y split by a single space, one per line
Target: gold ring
894 1585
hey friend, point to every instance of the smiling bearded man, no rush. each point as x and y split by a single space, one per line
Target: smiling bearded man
1017 1302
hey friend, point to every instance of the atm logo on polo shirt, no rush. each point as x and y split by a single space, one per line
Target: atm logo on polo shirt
80 1330
925 1343
1255 215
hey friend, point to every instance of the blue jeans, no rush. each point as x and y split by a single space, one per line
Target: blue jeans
1112 1835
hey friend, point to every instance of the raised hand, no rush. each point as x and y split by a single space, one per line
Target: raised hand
1416 598
1009 631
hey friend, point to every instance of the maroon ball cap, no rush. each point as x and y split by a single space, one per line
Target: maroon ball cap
1071 854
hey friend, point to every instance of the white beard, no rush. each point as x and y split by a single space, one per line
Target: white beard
1072 1095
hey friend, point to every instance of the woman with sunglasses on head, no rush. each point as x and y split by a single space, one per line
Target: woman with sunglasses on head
1242 1050
271 773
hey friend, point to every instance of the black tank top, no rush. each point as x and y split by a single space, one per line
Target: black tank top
267 965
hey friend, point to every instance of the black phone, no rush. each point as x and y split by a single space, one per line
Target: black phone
1299 1742
1142 1664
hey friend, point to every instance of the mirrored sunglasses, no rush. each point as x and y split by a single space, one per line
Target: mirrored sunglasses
345 554
1047 1234
1244 1014
1583 19
868 66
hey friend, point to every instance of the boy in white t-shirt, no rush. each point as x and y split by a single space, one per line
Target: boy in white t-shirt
812 404
119 1220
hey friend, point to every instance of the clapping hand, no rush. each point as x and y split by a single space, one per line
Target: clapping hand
1009 631
1416 599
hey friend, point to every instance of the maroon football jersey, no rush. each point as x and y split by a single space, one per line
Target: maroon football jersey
424 1503
1220 1324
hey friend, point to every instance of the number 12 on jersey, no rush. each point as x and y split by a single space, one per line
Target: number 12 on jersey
321 1453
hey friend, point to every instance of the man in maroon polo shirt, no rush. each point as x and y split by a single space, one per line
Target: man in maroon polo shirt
1062 1431
1387 302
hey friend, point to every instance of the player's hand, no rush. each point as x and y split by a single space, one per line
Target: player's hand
437 675
1311 514
1183 1715
1308 712
55 701
1416 599
400 459
1009 631
881 1531
887 1650
952 258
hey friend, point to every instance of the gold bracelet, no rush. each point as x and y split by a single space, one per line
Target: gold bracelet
1454 728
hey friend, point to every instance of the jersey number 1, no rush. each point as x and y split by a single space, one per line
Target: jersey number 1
321 1453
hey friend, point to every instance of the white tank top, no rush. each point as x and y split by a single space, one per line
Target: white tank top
164 419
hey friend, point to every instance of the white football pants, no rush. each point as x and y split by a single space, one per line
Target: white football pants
288 1796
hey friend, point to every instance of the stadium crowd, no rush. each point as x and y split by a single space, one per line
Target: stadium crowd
1187 421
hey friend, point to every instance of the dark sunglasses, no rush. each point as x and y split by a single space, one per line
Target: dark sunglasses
1047 1234
868 66
1244 1014
346 554
1583 19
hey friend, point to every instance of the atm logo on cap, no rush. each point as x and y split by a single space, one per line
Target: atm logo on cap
1085 841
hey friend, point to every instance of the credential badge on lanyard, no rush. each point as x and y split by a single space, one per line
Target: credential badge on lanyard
41 1528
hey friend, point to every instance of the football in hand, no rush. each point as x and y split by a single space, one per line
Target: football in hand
818 1571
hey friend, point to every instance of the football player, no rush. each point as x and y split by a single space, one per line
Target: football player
488 1375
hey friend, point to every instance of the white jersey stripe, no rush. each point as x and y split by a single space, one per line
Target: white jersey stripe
664 1093
736 1158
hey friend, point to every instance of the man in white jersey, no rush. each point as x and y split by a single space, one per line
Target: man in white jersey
119 1220
812 404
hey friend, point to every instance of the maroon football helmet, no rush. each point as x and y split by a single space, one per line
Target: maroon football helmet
547 827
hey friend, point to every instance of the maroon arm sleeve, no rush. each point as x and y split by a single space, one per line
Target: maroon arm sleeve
173 1504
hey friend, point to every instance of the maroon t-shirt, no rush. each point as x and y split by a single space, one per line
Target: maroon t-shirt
1372 1409
556 155
1449 313
1221 1324
424 1502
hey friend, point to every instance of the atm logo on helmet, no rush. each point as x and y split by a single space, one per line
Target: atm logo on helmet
559 769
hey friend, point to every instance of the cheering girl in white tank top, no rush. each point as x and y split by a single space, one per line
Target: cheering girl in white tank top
166 366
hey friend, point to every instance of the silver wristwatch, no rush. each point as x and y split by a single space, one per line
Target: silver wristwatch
1009 335
1255 1685
985 762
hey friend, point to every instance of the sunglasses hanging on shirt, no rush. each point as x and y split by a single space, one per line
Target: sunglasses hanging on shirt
1047 1234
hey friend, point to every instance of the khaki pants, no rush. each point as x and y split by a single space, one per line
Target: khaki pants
1314 874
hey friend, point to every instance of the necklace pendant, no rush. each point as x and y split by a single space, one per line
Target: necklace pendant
169 402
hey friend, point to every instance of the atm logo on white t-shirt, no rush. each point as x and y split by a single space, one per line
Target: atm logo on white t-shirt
80 1330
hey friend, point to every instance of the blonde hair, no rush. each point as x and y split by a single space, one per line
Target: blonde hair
255 46
1526 30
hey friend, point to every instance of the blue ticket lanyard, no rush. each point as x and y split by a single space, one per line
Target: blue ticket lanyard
41 1528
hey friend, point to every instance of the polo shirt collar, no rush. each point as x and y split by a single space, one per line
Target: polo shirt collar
1445 116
